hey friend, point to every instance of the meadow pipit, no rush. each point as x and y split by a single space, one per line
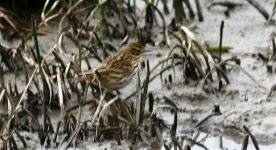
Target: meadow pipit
116 71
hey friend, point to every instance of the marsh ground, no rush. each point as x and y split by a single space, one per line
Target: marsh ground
243 102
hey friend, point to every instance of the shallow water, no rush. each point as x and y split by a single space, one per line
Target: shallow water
213 143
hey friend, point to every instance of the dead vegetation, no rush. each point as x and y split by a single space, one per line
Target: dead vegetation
47 82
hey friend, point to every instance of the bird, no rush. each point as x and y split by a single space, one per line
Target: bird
116 71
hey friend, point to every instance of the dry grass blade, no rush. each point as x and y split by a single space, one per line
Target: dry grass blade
138 100
4 143
180 14
198 144
155 75
270 94
205 56
149 18
102 45
74 134
260 8
228 4
59 60
174 126
69 11
60 93
151 102
57 131
164 27
199 11
95 116
25 90
31 79
11 142
25 69
21 139
255 143
46 15
143 97
245 142
174 139
77 122
7 58
191 12
216 112
97 8
191 63
105 106
92 50
82 100
10 99
163 106
273 57
2 81
93 28
2 94
191 55
220 39
47 87
37 54
16 27
220 72
34 119
130 120
270 20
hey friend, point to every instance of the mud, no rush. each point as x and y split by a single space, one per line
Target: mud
243 102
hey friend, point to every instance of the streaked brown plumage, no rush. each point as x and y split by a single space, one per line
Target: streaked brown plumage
116 71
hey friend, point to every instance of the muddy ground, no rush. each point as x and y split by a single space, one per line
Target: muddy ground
244 102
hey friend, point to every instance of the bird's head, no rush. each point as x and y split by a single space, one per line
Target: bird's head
136 48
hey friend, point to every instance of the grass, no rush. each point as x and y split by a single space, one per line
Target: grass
48 87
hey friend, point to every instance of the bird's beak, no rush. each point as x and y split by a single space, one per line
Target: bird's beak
146 51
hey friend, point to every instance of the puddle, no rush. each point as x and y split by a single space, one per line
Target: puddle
213 143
